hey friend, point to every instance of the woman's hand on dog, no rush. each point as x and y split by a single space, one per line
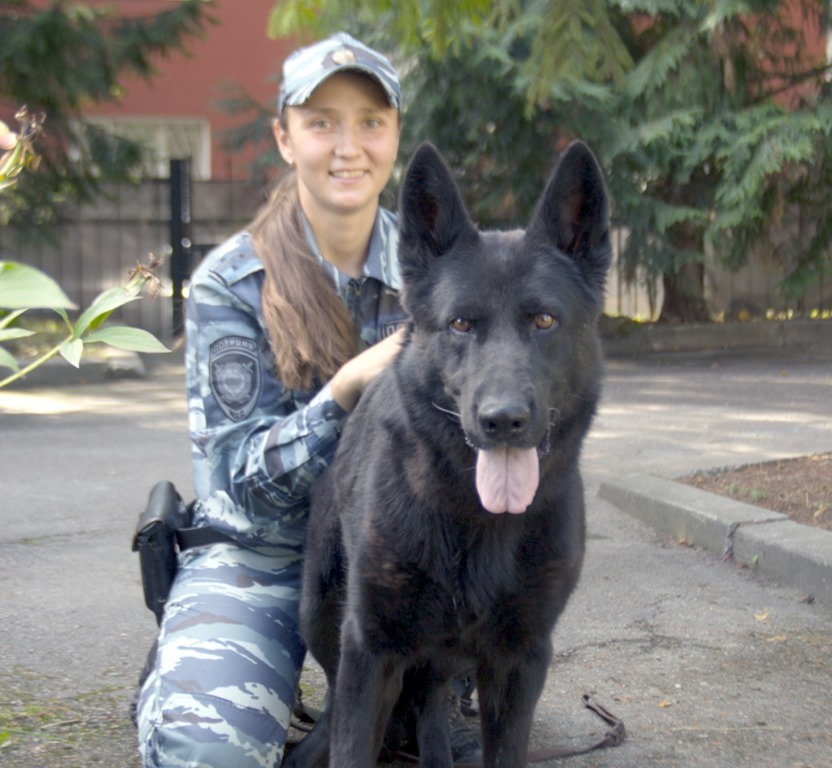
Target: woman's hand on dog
354 377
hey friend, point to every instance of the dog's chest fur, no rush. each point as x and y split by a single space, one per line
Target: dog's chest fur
419 544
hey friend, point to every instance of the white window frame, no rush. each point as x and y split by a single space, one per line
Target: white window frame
166 138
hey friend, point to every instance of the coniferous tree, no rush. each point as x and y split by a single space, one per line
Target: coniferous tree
710 117
718 137
59 58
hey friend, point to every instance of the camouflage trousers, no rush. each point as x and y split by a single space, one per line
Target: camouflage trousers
228 664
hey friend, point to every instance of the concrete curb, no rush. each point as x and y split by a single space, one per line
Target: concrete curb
767 542
762 334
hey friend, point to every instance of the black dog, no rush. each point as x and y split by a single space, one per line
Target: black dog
449 532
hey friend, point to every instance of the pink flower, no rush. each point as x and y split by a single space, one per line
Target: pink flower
8 139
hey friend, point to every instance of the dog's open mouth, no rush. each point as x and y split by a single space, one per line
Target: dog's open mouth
507 478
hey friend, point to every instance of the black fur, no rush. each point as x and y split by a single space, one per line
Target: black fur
407 576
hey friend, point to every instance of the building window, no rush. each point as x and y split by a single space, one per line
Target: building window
165 139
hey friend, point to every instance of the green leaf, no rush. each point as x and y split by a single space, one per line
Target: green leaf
24 287
71 350
7 360
131 339
11 317
667 216
14 333
102 307
654 69
292 17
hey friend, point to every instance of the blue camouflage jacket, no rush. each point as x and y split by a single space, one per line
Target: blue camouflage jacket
257 446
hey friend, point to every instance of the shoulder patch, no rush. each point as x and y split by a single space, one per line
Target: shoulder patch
390 327
235 375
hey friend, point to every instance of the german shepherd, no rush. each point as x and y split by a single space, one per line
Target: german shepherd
449 532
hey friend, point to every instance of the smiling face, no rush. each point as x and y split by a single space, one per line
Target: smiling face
343 143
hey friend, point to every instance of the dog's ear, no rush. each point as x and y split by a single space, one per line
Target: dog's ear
432 215
573 212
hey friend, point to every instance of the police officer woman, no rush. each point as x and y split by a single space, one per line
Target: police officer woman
287 322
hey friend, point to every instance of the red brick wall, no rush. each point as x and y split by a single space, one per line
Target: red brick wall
235 49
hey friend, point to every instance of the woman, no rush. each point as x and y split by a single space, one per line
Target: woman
287 323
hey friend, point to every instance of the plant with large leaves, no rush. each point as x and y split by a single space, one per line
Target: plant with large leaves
23 288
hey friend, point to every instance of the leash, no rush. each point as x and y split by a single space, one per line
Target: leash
612 738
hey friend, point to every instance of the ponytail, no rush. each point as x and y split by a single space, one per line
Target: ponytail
311 332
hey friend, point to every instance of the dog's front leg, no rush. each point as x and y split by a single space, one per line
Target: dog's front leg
366 690
312 750
432 727
508 695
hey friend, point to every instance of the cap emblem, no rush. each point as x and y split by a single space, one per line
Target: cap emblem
344 56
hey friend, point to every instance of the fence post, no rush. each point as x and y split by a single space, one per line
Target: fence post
181 241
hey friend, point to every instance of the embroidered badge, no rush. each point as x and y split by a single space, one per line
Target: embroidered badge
389 328
345 56
235 375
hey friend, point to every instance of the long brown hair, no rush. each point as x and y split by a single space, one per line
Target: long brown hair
311 332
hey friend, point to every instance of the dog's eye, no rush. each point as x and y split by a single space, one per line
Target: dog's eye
544 321
461 325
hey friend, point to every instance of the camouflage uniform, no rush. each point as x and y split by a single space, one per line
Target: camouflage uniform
229 652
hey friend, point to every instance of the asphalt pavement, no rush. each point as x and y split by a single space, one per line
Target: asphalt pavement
709 660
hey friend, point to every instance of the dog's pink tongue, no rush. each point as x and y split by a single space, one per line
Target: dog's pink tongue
507 479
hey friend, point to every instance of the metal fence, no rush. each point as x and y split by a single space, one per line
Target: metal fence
750 293
96 246
99 244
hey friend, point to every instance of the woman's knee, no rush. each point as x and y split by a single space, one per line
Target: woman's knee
226 671
212 732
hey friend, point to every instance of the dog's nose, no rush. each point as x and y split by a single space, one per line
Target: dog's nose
502 422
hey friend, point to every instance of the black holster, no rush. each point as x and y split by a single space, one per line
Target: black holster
155 541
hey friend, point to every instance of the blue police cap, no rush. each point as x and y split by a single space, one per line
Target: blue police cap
306 68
